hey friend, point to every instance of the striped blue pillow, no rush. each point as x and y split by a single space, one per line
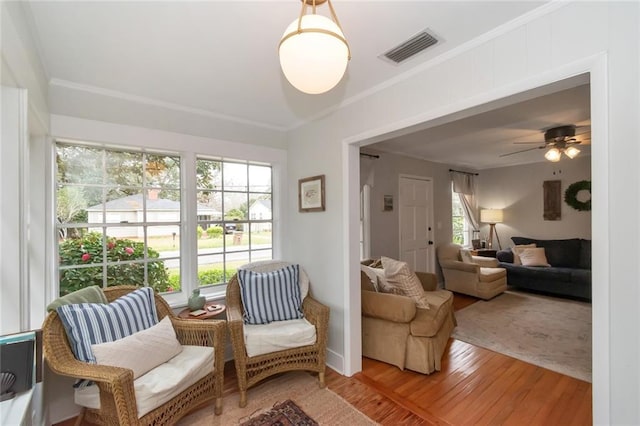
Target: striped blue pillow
88 324
270 296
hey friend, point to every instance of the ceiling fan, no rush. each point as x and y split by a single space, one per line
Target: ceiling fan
557 140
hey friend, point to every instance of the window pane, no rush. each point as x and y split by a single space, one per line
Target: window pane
78 278
211 269
259 178
261 236
209 174
162 171
209 205
164 240
210 238
260 207
72 204
123 168
235 177
235 206
78 164
163 205
237 239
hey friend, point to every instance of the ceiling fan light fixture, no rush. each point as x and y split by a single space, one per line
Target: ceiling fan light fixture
313 51
553 155
571 152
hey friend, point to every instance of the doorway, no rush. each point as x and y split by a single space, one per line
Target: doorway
415 205
595 67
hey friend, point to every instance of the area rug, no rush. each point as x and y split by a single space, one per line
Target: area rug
321 405
284 414
549 332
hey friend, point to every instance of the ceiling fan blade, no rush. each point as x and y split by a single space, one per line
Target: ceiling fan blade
527 143
522 150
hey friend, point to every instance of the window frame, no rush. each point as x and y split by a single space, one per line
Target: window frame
467 229
154 141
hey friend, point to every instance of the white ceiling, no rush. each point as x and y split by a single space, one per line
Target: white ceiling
478 140
219 59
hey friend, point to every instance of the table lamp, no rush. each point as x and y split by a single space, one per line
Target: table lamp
492 216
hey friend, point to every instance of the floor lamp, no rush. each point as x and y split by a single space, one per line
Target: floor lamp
492 216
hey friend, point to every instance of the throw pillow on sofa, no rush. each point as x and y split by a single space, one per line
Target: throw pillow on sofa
519 249
534 257
399 275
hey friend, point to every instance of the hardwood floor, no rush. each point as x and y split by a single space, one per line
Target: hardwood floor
475 387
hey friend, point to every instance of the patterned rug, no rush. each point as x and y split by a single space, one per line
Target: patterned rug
318 406
550 332
284 414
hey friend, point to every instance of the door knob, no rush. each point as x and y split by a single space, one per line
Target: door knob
430 242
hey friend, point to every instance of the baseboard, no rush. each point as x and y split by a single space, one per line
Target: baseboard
335 361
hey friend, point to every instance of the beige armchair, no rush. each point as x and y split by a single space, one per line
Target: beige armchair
482 278
395 331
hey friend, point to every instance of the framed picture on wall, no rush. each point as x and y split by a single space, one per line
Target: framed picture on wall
311 194
387 203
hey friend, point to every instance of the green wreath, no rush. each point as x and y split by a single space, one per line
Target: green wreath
570 195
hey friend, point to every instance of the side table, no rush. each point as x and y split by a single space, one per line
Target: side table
484 252
208 315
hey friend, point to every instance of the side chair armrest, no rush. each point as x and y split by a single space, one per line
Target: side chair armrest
460 266
317 314
389 307
200 333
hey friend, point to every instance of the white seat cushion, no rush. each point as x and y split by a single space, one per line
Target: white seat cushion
163 382
278 336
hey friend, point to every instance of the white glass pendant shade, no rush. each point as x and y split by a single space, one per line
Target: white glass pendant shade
313 62
553 155
571 152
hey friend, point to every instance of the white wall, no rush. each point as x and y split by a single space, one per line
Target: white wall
385 239
528 54
518 190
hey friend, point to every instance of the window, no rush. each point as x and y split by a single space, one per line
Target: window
118 218
234 217
461 228
121 219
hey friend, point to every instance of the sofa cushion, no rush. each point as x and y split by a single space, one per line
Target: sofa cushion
162 383
141 351
563 253
89 323
488 275
505 256
399 275
427 322
518 273
534 257
516 250
270 296
466 256
585 254
278 336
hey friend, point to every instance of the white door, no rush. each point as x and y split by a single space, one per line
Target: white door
416 223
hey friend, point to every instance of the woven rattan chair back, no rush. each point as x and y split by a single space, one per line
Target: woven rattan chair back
117 395
251 370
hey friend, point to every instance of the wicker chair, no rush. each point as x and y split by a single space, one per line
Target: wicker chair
251 370
117 401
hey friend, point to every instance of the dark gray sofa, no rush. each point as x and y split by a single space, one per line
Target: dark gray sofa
569 274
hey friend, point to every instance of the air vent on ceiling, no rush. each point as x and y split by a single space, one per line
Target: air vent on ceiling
411 47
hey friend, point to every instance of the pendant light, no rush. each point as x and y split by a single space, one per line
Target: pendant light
313 50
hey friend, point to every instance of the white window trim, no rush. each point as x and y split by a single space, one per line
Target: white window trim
188 147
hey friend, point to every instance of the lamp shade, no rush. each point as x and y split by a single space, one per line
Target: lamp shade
314 59
553 155
571 152
491 216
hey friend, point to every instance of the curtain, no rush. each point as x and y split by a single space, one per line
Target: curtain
464 185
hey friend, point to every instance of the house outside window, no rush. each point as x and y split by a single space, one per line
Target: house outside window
121 219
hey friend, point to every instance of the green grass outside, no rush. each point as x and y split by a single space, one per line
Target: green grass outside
166 243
